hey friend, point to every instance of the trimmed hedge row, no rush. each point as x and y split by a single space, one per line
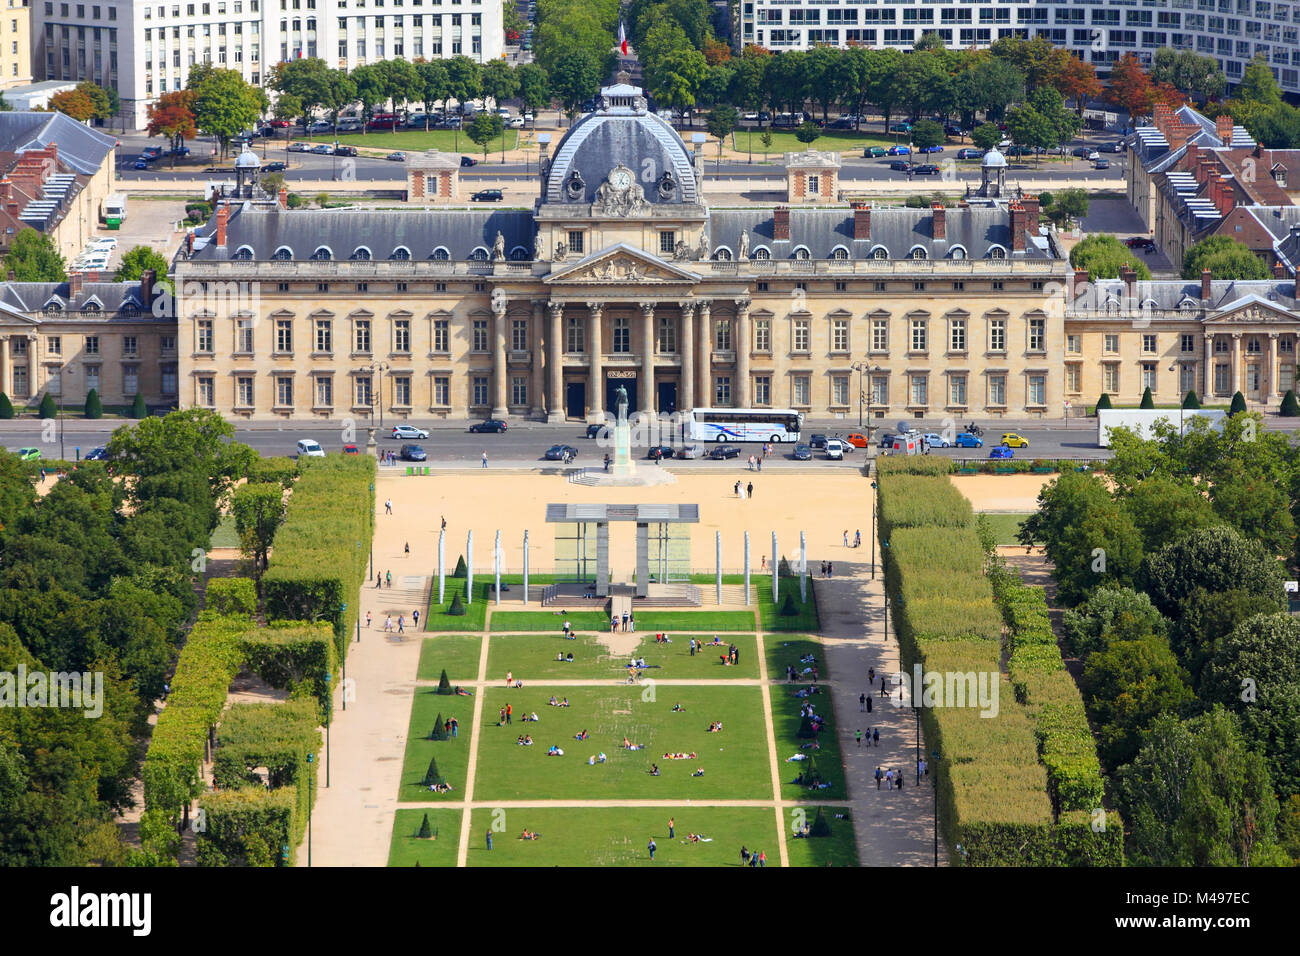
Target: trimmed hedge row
296 656
232 596
1066 745
319 562
248 827
207 664
927 465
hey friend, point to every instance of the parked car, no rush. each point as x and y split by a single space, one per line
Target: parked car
178 151
1116 147
901 165
952 129
967 440
280 124
275 167
1014 440
515 122
468 161
350 126
970 153
98 453
408 431
802 452
1001 451
528 117
324 149
152 152
873 152
857 440
491 425
560 453
1081 151
834 449
1140 242
898 151
320 126
1101 164
935 440
412 453
310 448
691 451
351 450
299 148
102 242
345 150
817 441
930 149
901 128
140 163
722 452
886 440
415 120
594 430
487 195
926 169
656 452
28 454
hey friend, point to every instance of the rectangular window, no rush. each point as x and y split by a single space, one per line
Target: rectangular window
722 335
1148 343
622 335
441 335
519 335
1149 375
442 390
166 343
918 335
997 391
880 389
364 393
957 390
480 390
362 335
1038 390
324 391
762 335
839 389
762 390
324 335
575 340
1037 335
402 390
92 377
1074 344
1188 343
839 335
920 390
244 391
204 343
799 391
1110 378
1110 344
1072 376
802 336
722 391
283 335
207 394
997 335
668 242
1221 385
244 336
402 336
575 242
667 334
130 345
92 344
879 335
518 390
284 391
480 342
957 335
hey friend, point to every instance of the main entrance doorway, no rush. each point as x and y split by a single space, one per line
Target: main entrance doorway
575 399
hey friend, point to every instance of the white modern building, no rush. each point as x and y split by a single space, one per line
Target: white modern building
1101 31
145 49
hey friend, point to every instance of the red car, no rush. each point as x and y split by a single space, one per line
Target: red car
351 450
280 124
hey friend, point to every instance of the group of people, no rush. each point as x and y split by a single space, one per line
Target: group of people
732 657
872 737
891 778
662 638
755 463
558 703
524 740
827 569
744 491
857 539
757 858
700 645
564 658
628 621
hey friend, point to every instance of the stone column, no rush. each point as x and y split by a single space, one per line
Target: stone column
32 367
1209 367
596 386
537 384
555 410
1272 393
648 357
704 361
688 357
5 359
1236 363
500 367
741 344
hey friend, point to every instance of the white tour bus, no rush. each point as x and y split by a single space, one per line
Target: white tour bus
743 424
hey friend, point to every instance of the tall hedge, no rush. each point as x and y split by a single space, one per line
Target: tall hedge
48 408
94 408
320 555
295 656
248 827
232 596
138 408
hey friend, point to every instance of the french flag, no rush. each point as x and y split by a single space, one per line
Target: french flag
622 39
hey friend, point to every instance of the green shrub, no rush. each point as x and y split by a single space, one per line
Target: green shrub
432 778
1238 404
1147 400
296 656
1191 401
273 470
783 568
457 607
1103 403
232 596
294 201
1290 407
444 685
821 827
48 408
6 407
138 408
439 732
248 827
425 831
94 407
461 570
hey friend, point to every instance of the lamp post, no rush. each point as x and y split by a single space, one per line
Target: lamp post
934 787
310 769
377 370
860 368
63 390
327 729
874 506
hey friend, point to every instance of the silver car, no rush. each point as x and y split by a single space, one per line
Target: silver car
690 451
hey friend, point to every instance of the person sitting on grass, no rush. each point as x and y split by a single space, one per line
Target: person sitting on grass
678 709
580 735
440 787
559 655
696 838
699 772
554 751
565 702
803 832
529 835
569 658
654 770
553 702
462 692
600 757
715 727
726 660
809 659
631 746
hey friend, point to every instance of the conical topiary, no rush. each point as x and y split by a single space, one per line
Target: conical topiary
1238 404
94 407
783 568
461 571
431 776
1191 401
806 731
1147 400
138 407
1290 407
457 605
426 831
6 407
439 731
48 408
1103 403
444 685
821 827
811 775
788 607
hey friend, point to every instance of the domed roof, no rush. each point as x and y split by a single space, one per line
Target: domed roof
247 159
993 158
622 132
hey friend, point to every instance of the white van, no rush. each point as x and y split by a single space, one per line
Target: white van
311 448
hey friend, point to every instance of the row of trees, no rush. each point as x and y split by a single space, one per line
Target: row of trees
215 101
1104 256
1191 667
87 101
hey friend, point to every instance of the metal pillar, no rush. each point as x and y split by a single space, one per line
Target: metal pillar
469 567
776 597
442 566
525 567
717 559
496 564
746 569
803 568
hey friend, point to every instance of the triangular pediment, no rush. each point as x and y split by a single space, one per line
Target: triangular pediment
620 264
1252 309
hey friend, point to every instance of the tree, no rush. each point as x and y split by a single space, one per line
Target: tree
1030 128
1103 255
1065 206
500 81
224 103
6 407
1126 686
138 408
1215 559
1255 505
1189 71
1130 87
426 831
674 69
99 99
136 261
484 128
722 121
432 778
574 76
1108 615
74 103
1290 407
1191 401
465 78
439 731
1207 619
33 257
259 511
1103 403
172 116
1076 79
927 133
988 84
307 78
1258 85
94 407
444 685
1147 400
534 87
193 440
1238 405
1037 59
48 408
402 83
371 87
986 136
807 132
457 607
1225 257
1163 508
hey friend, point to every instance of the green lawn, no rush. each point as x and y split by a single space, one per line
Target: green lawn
550 621
791 650
436 617
652 621
458 653
533 656
619 836
1006 526
772 620
224 536
785 711
406 848
735 761
838 849
445 140
452 755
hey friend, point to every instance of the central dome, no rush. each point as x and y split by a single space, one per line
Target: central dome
622 132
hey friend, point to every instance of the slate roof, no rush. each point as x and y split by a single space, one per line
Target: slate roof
115 299
82 148
1171 293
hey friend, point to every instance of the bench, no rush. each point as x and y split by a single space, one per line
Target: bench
1003 470
1044 471
968 471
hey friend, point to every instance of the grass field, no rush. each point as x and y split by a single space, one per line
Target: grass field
773 620
436 617
224 536
618 836
1006 527
838 849
458 653
646 621
786 720
444 140
735 761
452 755
406 848
530 656
791 650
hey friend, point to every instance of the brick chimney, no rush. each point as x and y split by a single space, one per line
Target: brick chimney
147 279
781 223
1223 128
1192 156
284 197
1080 282
1017 226
1203 168
1279 271
75 280
5 187
1127 273
940 220
861 221
1031 214
11 207
1227 200
1205 285
223 216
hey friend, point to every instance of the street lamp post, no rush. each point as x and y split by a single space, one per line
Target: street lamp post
1178 394
377 370
874 506
860 368
310 769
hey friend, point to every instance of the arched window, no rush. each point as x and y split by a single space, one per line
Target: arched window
361 253
1186 305
90 307
880 252
323 253
802 253
52 306
440 254
283 254
723 254
480 254
839 253
997 252
762 252
243 253
957 252
518 254
401 253
918 252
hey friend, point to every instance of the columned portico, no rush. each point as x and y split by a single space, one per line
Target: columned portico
596 385
555 362
704 361
647 389
537 384
688 356
500 368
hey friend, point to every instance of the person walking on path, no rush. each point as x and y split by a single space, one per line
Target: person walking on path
868 703
760 464
631 621
846 537
862 703
651 848
388 623
857 539
749 490
401 624
625 620
388 578
489 840
879 777
830 569
408 549
762 858
898 780
388 506
859 738
871 675
889 777
875 736
762 564
736 489
415 617
367 620
670 828
484 459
